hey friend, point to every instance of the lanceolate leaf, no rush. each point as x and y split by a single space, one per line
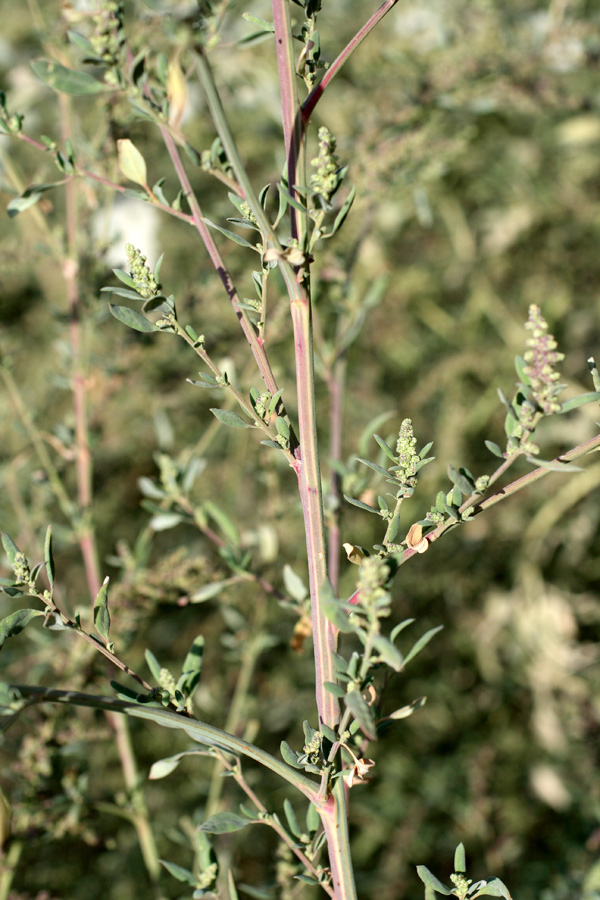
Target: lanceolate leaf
581 400
101 614
16 622
228 417
429 879
67 81
179 872
132 318
48 556
361 711
422 642
224 823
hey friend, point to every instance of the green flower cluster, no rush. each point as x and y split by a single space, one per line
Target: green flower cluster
107 39
326 179
408 458
145 283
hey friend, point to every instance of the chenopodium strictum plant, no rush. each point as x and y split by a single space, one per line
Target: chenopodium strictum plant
349 691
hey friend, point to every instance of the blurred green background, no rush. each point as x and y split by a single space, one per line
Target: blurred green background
472 133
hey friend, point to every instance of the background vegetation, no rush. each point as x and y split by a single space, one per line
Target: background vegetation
472 132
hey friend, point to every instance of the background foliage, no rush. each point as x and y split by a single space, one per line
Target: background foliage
472 131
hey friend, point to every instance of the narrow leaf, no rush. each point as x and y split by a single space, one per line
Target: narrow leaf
422 642
429 879
48 556
101 614
291 818
581 400
379 469
224 823
361 505
179 872
132 318
228 417
362 712
230 234
387 450
553 465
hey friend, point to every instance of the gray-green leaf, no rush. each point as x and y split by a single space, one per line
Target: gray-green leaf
132 318
16 622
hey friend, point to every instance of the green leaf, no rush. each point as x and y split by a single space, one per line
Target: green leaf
387 450
153 664
361 505
48 556
16 622
460 862
581 400
179 872
192 667
362 712
225 523
294 585
379 469
494 888
206 381
388 653
101 614
400 627
131 162
208 591
163 767
29 197
288 755
422 642
520 365
132 318
494 448
224 823
125 277
405 711
121 292
429 879
230 418
10 548
67 81
230 234
334 689
553 465
256 20
291 818
460 480
343 213
336 613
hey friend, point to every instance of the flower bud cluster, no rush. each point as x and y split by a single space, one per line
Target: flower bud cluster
326 179
107 39
145 283
541 357
407 456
